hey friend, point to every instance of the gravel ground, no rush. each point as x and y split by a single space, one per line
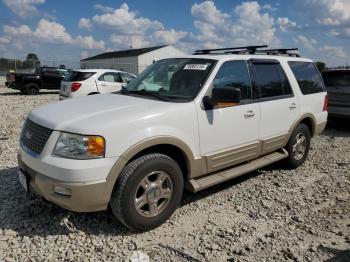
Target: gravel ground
271 214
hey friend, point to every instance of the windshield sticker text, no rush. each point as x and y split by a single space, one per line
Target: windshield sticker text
196 67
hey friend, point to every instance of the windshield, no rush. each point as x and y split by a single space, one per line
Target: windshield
179 78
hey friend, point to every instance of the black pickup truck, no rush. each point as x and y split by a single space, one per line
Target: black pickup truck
42 78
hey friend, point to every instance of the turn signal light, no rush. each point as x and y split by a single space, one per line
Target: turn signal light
75 86
325 104
96 146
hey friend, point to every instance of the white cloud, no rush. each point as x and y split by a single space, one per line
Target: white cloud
52 32
23 8
4 40
269 8
124 21
330 13
285 23
333 51
129 41
308 43
247 26
207 12
341 33
170 36
84 23
103 8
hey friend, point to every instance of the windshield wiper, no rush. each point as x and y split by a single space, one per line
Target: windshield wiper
144 92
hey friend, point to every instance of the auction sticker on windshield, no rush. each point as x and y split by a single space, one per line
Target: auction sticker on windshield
195 67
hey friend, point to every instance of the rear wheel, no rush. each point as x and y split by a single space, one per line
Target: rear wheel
31 89
147 192
298 146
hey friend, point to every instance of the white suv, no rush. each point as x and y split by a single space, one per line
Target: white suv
188 122
93 81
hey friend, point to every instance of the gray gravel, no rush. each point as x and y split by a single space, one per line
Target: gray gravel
271 214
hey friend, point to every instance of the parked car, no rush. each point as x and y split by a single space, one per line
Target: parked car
93 81
187 122
338 87
41 78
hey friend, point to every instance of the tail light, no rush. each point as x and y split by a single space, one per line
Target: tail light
75 86
325 103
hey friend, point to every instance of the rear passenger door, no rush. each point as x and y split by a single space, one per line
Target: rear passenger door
278 105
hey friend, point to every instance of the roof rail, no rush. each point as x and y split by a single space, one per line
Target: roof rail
231 50
281 51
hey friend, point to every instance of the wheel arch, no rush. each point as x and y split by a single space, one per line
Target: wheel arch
170 146
309 120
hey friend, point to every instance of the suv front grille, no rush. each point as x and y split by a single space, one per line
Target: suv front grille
34 137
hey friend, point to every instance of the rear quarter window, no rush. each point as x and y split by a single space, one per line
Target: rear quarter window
78 76
308 77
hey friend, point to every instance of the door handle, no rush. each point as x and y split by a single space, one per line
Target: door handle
249 113
292 106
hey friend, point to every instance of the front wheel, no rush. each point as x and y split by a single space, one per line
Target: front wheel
298 146
147 192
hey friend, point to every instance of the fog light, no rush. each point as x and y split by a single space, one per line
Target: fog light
62 191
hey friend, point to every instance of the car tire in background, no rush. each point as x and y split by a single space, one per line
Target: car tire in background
147 192
298 146
31 89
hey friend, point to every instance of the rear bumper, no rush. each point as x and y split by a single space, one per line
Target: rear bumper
337 111
320 127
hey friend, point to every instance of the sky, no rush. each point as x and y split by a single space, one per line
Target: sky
67 31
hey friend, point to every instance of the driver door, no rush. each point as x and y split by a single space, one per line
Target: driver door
229 134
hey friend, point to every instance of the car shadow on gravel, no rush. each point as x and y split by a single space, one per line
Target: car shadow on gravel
338 254
31 215
189 197
20 94
337 128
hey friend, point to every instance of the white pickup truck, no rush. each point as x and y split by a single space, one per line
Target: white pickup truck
188 122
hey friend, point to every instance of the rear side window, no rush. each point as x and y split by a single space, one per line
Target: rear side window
272 80
111 77
308 77
336 78
78 76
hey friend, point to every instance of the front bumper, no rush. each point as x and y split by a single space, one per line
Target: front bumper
86 180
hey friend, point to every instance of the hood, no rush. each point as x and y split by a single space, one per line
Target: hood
91 114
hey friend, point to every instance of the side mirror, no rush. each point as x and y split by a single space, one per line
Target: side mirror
222 97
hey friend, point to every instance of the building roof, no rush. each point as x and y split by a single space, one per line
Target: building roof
124 53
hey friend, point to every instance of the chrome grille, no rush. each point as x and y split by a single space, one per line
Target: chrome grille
34 137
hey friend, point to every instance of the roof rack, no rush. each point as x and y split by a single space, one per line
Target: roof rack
231 50
281 51
254 49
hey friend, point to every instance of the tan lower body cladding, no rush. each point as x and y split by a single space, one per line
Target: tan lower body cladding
240 154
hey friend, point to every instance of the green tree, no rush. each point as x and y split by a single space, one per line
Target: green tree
32 61
321 66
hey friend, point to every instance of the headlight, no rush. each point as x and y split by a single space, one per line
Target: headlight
80 146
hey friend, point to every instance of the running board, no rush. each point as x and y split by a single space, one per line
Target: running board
195 185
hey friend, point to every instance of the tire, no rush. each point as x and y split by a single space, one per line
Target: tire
131 186
32 89
298 150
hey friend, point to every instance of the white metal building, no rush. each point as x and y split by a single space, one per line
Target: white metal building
133 61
